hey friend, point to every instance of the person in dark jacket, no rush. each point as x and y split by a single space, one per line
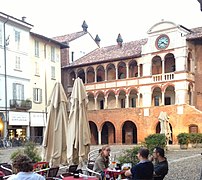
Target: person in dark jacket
144 169
160 163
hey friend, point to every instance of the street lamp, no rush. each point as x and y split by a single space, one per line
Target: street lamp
6 42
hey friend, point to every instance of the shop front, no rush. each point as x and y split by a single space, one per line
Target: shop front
37 126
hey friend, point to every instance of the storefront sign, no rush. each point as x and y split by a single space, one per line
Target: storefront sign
38 119
18 118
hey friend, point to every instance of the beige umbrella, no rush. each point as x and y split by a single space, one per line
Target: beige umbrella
55 138
165 126
79 137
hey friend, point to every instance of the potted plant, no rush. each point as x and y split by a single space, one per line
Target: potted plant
193 139
183 140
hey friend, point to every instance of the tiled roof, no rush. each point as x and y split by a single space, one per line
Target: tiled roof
195 34
69 37
110 53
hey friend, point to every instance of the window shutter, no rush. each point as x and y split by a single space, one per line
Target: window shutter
34 94
40 100
14 91
23 95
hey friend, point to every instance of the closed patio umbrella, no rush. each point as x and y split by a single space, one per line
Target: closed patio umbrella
165 126
55 138
79 137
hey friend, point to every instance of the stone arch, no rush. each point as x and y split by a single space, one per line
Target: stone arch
91 101
158 130
121 70
121 98
100 73
94 133
111 99
72 77
90 75
156 96
169 95
129 132
81 74
100 100
108 135
190 94
189 62
169 63
156 65
111 72
133 68
133 97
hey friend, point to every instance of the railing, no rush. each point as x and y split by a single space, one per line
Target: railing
163 77
20 104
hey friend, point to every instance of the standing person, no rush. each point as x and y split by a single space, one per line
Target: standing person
23 165
144 169
102 161
160 163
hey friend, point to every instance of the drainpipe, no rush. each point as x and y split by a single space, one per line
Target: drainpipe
6 123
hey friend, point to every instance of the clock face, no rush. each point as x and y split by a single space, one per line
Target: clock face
162 42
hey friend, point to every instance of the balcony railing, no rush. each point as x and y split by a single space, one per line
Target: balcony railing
20 104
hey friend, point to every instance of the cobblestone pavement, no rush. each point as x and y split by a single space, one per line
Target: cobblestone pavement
183 164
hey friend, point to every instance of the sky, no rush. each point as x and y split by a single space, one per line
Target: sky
107 18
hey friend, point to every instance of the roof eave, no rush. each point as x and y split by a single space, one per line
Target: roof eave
102 61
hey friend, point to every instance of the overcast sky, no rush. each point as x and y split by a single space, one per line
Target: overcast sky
107 18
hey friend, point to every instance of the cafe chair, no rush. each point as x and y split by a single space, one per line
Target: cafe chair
52 173
72 168
6 169
93 173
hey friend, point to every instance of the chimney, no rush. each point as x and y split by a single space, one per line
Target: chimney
97 40
84 26
119 40
23 18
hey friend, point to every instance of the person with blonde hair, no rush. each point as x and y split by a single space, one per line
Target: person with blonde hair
102 161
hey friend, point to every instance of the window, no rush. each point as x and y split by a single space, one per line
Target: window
52 72
36 50
17 63
156 101
133 102
17 38
37 68
72 56
122 103
53 54
18 91
101 104
37 95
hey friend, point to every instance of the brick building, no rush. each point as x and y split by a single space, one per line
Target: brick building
129 84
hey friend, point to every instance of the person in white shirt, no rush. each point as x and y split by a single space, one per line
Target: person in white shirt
24 168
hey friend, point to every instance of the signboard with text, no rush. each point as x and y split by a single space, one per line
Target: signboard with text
18 118
37 119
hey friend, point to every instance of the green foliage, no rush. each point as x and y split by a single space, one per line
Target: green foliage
193 138
183 138
30 150
154 140
129 156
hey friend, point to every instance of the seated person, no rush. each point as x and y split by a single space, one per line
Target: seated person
160 164
144 169
23 166
102 161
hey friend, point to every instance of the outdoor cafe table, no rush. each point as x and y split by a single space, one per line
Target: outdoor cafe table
113 172
79 178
